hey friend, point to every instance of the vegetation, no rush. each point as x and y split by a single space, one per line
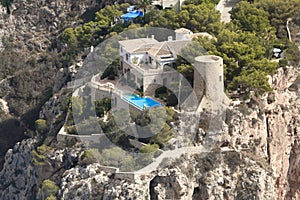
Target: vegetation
41 126
201 1
49 188
117 157
88 126
149 148
110 72
37 159
77 106
44 149
249 18
38 156
51 197
116 126
279 12
89 156
102 106
163 136
28 86
196 17
245 43
93 32
5 3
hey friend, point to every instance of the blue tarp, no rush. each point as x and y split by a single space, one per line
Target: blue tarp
132 15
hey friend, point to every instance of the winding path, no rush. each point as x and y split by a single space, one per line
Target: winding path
171 154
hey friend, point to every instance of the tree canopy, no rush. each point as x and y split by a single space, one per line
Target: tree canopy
245 43
249 18
196 17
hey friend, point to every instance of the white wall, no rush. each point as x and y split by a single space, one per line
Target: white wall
140 57
123 53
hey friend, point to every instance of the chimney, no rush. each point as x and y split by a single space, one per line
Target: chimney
152 36
170 38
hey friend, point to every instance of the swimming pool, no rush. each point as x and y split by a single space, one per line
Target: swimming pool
141 102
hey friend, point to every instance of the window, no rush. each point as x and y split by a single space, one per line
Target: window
150 60
220 77
127 56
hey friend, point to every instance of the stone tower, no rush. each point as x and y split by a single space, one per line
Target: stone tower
209 82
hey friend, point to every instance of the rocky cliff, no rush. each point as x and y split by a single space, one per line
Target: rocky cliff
32 24
257 157
269 128
29 47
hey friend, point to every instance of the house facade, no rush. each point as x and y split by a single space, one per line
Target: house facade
146 61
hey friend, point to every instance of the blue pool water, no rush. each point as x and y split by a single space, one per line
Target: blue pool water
141 102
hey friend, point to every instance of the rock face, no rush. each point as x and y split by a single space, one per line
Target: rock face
17 177
32 24
25 169
283 131
52 111
218 175
269 127
256 157
4 107
226 175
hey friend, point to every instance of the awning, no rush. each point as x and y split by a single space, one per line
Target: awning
132 15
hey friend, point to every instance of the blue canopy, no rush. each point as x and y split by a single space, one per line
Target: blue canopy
132 15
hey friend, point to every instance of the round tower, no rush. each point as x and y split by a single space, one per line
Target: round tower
183 34
209 81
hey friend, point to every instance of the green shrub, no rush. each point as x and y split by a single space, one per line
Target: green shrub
149 148
283 62
118 158
41 126
37 159
89 156
102 106
244 109
163 136
90 153
51 197
71 130
44 149
49 188
160 90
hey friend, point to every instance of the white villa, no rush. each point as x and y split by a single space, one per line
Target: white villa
146 61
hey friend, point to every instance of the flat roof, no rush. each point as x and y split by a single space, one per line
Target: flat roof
208 58
183 30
